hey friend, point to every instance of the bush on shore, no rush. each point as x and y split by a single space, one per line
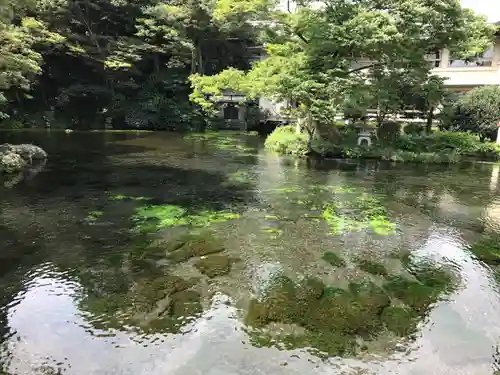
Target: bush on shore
284 140
438 147
476 111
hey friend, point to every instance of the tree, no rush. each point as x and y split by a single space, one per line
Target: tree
318 54
477 111
429 97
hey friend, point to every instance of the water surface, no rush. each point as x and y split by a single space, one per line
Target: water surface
162 254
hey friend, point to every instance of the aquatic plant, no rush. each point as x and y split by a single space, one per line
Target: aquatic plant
155 217
487 250
334 259
359 213
333 319
400 320
93 216
372 267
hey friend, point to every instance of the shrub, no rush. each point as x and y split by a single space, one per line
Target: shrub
389 131
284 140
465 143
413 128
11 124
477 111
424 157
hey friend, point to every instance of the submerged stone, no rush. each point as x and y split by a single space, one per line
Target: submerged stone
195 247
334 259
431 275
214 265
413 293
185 304
333 317
10 163
372 267
487 250
399 320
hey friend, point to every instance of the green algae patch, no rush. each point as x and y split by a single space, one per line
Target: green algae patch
214 265
371 267
400 320
185 304
432 275
155 217
332 317
359 213
334 259
417 295
93 216
487 250
332 320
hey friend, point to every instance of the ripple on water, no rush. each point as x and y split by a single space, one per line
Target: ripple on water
239 269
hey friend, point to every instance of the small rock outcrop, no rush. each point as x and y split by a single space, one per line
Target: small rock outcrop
14 158
10 163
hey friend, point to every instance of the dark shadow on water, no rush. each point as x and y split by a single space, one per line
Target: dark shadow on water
117 269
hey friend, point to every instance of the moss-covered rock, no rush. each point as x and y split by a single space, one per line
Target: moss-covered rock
195 247
185 304
334 259
399 320
372 267
413 293
487 250
214 265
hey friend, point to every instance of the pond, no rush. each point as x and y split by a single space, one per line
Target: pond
204 254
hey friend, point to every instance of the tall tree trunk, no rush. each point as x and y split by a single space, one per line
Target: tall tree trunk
430 118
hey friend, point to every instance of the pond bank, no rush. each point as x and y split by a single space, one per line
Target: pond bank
436 148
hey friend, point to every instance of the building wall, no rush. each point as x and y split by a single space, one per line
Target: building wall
466 77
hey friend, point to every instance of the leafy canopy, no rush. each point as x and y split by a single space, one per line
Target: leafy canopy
325 50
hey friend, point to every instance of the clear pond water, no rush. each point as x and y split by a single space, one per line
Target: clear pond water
162 254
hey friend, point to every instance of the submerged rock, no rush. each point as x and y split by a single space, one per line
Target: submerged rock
14 158
214 265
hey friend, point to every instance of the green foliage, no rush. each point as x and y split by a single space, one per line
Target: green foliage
389 131
413 128
477 111
311 62
285 140
461 143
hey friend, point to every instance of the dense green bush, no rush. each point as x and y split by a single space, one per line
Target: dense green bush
285 140
438 147
477 111
413 128
464 143
389 131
